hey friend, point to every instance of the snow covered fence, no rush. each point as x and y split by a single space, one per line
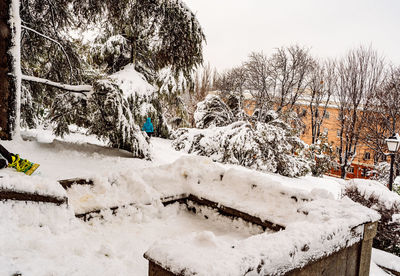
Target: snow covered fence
191 200
33 201
318 227
320 231
290 252
20 187
67 183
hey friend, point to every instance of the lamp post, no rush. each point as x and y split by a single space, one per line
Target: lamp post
393 143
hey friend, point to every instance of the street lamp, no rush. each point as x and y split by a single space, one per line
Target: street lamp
393 143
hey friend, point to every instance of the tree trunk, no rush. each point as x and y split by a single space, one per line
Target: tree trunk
7 86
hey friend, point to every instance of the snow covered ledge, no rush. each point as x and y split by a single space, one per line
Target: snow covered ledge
333 238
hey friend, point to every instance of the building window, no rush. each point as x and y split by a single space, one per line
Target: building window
327 115
338 133
367 155
351 154
364 172
326 131
350 170
337 151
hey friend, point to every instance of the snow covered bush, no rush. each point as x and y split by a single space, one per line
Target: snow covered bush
381 172
323 154
374 195
143 99
265 147
143 107
111 119
213 112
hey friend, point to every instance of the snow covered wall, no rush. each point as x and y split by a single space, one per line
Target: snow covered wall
316 223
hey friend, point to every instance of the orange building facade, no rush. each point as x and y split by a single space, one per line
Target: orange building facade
362 164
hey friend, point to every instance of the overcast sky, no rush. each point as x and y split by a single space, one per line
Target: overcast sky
234 28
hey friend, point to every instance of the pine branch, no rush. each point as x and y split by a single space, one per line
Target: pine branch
82 89
52 40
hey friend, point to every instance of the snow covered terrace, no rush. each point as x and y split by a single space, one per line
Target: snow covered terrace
246 222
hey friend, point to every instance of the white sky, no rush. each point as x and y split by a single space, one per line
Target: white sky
234 28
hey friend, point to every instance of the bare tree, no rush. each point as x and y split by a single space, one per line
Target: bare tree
258 80
384 116
279 81
288 70
360 73
321 85
231 85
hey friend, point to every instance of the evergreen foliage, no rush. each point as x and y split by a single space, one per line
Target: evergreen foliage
267 146
213 112
159 33
111 118
163 40
324 156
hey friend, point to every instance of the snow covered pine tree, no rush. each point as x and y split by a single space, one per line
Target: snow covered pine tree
266 146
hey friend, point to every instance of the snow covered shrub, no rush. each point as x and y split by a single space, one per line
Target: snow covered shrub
264 115
143 107
111 119
265 147
30 117
381 172
213 112
323 154
376 196
142 98
396 185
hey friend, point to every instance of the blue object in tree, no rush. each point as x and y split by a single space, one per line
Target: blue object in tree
148 126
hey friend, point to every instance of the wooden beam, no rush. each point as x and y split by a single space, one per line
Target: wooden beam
67 183
6 195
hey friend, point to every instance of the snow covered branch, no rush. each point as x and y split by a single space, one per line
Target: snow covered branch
52 40
83 89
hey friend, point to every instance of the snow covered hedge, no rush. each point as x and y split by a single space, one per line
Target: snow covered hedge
376 196
265 147
213 112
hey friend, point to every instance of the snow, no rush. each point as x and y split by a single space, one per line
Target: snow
113 246
84 89
132 82
37 238
33 184
323 231
369 188
396 218
385 259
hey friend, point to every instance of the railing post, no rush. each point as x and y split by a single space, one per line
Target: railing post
366 248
